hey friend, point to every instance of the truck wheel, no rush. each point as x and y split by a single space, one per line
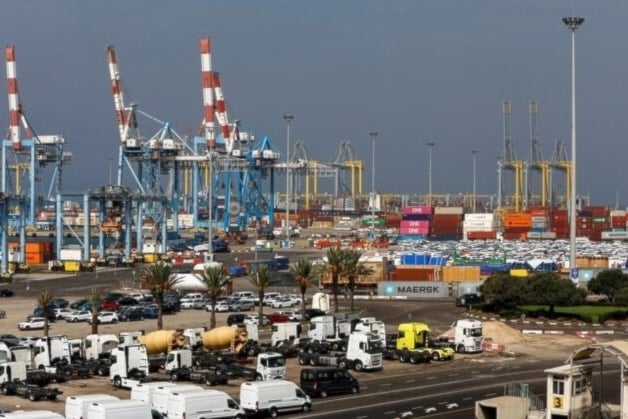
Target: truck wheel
415 358
209 382
5 390
52 397
313 362
117 382
343 364
358 366
258 377
460 349
302 361
174 377
404 356
306 408
32 397
323 394
435 356
273 412
355 390
101 371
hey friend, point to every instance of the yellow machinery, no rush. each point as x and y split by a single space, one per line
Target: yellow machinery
223 337
163 341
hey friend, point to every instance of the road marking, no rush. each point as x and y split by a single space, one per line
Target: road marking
431 378
390 412
490 394
452 405
386 385
417 407
430 410
410 381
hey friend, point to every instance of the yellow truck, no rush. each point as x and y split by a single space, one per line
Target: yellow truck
413 344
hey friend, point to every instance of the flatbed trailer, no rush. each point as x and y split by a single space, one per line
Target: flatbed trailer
31 392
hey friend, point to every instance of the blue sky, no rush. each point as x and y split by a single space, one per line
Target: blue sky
414 71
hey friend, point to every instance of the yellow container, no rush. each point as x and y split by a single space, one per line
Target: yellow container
519 273
151 257
72 266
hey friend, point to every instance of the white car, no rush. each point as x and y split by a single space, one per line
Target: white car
296 299
221 306
79 316
106 317
282 302
61 313
33 323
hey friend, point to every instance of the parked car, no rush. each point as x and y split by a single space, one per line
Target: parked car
127 301
28 340
269 296
150 312
326 381
5 292
78 303
278 317
9 340
32 324
254 319
236 319
78 316
200 304
110 305
240 305
40 312
59 303
221 306
131 313
106 317
466 300
281 302
61 313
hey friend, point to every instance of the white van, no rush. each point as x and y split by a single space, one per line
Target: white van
119 409
162 393
206 404
143 392
273 396
76 406
31 414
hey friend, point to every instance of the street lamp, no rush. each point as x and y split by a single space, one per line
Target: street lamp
429 172
288 119
475 156
573 23
373 134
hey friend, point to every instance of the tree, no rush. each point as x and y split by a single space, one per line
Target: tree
552 290
303 272
354 268
260 279
94 301
608 282
502 291
215 279
621 297
159 279
335 266
44 299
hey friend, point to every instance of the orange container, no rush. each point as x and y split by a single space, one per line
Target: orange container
517 219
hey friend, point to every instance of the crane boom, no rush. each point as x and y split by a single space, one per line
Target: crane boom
221 113
118 97
15 107
208 92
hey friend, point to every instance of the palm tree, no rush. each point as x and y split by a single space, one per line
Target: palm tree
354 268
260 279
44 299
303 272
215 279
94 301
159 279
335 267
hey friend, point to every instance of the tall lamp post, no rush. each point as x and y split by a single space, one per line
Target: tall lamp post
573 23
475 156
373 134
288 119
429 172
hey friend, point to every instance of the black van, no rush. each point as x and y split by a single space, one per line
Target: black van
325 381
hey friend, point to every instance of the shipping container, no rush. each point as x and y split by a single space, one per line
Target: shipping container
489 217
517 219
417 217
414 224
481 235
411 273
460 273
448 211
423 209
414 230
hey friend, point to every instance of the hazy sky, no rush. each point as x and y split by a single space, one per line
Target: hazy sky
414 71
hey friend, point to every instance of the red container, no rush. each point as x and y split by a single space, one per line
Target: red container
423 209
481 235
414 230
414 224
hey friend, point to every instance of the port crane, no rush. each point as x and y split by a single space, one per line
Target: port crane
536 163
562 164
347 164
509 162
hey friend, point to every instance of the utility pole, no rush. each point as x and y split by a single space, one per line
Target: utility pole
288 119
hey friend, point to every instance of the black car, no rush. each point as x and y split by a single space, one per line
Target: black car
59 303
326 381
235 319
131 313
40 312
10 340
79 303
127 301
169 308
5 292
466 300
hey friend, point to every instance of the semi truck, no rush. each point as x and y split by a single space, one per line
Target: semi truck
364 352
413 344
468 336
129 366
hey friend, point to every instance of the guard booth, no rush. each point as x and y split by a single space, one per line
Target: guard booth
570 392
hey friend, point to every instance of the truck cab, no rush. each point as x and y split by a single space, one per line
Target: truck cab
415 337
468 336
129 365
364 351
51 349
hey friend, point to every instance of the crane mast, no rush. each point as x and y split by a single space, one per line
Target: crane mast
510 163
536 162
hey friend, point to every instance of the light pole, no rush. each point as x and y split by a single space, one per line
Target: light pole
573 23
475 156
288 119
373 134
429 172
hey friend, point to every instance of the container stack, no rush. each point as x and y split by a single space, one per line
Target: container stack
540 224
447 223
479 226
617 222
559 223
517 225
415 223
418 267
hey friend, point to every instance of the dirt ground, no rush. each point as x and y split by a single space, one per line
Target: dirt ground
517 344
